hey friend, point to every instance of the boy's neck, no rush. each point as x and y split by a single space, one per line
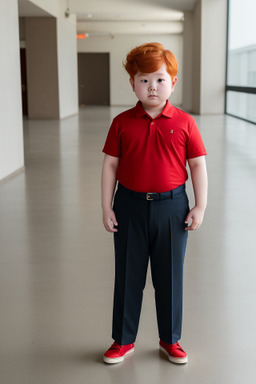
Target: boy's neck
154 111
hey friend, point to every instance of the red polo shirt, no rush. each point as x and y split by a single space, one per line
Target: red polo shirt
153 152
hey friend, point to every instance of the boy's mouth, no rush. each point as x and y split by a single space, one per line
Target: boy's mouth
152 95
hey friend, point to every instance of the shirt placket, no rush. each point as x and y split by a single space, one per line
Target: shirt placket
152 128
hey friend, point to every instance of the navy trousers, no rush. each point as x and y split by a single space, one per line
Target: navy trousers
149 230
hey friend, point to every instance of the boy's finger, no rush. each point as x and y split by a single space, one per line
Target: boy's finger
112 226
113 223
113 219
193 227
188 218
190 228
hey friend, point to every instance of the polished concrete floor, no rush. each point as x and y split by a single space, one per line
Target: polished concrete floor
57 267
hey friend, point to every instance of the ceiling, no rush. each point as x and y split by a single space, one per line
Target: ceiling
28 9
132 10
118 16
116 9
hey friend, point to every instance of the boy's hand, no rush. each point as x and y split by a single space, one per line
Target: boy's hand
196 215
109 220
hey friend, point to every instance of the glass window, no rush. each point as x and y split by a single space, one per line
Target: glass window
242 43
242 105
241 60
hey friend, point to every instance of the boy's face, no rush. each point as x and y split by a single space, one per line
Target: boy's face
153 89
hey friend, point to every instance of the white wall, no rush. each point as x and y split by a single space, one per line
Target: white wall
213 56
197 55
118 47
131 27
205 57
51 67
188 52
11 131
67 55
67 66
42 68
192 60
51 6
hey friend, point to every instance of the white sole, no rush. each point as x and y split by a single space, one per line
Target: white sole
115 360
176 360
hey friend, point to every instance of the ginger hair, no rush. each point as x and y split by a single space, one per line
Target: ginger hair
148 58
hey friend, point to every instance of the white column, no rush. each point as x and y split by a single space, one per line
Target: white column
213 56
67 66
51 67
188 54
11 130
205 57
42 68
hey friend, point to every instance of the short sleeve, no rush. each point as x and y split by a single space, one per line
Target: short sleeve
195 145
112 145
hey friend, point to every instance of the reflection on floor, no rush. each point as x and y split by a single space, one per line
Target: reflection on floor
56 264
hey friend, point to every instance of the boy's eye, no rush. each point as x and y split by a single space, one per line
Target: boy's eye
144 81
160 80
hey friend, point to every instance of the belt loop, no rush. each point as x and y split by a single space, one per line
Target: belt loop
171 194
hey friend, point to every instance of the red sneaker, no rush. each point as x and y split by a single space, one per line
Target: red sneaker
174 351
116 353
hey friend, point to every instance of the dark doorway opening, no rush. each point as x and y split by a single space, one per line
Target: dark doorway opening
24 89
93 79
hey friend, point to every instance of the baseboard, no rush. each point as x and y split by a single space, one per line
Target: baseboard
12 175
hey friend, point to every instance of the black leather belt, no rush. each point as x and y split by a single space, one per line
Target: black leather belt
151 196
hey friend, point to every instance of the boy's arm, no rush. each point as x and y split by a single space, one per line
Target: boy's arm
108 184
200 184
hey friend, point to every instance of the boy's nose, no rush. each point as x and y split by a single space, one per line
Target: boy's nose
152 87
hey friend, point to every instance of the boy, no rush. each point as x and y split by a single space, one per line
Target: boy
146 151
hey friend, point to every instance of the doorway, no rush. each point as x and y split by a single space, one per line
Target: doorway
23 68
93 79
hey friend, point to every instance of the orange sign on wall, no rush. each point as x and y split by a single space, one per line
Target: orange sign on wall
81 36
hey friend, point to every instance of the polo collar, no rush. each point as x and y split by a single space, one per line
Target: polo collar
167 111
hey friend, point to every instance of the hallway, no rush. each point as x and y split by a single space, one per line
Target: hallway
57 265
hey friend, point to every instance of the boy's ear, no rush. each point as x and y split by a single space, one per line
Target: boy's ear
174 82
132 83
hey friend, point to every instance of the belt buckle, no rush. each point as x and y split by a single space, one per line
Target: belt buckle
148 196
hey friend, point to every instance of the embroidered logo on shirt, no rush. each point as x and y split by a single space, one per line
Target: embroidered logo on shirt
171 131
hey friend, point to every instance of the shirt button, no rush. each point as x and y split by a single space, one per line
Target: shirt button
152 123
